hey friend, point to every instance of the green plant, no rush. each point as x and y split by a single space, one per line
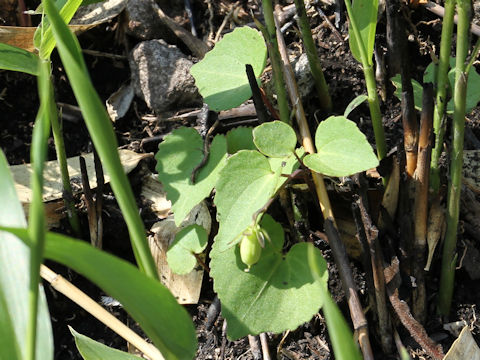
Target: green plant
166 322
454 187
248 168
362 29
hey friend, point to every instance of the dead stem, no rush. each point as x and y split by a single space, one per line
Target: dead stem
416 330
421 203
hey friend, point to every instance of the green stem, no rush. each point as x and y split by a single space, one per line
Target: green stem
62 162
375 113
456 165
36 221
277 67
442 85
313 59
373 102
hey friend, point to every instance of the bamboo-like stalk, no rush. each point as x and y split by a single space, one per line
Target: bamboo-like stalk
454 191
442 84
277 68
410 130
36 222
88 304
421 204
373 102
338 248
313 59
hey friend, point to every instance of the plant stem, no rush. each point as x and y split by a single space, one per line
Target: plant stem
36 221
272 45
313 59
338 248
442 84
62 163
373 102
421 204
456 164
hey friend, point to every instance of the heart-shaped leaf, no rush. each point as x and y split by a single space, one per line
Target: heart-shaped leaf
278 293
246 184
188 241
177 157
275 139
221 78
342 149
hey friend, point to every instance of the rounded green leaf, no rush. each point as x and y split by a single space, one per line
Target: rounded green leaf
247 182
221 78
240 138
342 150
177 157
188 241
278 293
275 139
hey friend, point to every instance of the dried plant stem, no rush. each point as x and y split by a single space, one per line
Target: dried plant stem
338 249
421 204
376 257
87 303
272 45
313 59
455 186
442 84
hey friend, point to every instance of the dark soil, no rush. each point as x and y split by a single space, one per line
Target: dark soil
18 107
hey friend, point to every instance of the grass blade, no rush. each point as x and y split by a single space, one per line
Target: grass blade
44 39
149 302
103 136
16 59
14 280
36 221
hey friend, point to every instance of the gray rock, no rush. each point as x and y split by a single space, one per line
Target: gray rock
143 21
161 76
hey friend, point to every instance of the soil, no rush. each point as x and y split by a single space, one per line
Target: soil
18 107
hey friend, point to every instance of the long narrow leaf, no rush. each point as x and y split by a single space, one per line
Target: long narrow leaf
43 38
145 299
94 350
14 280
103 136
365 13
36 221
344 347
16 59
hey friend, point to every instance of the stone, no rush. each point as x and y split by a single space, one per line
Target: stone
143 21
161 76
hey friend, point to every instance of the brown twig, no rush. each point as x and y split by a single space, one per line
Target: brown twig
356 312
376 257
421 203
91 210
440 11
196 46
265 349
416 330
99 197
255 347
